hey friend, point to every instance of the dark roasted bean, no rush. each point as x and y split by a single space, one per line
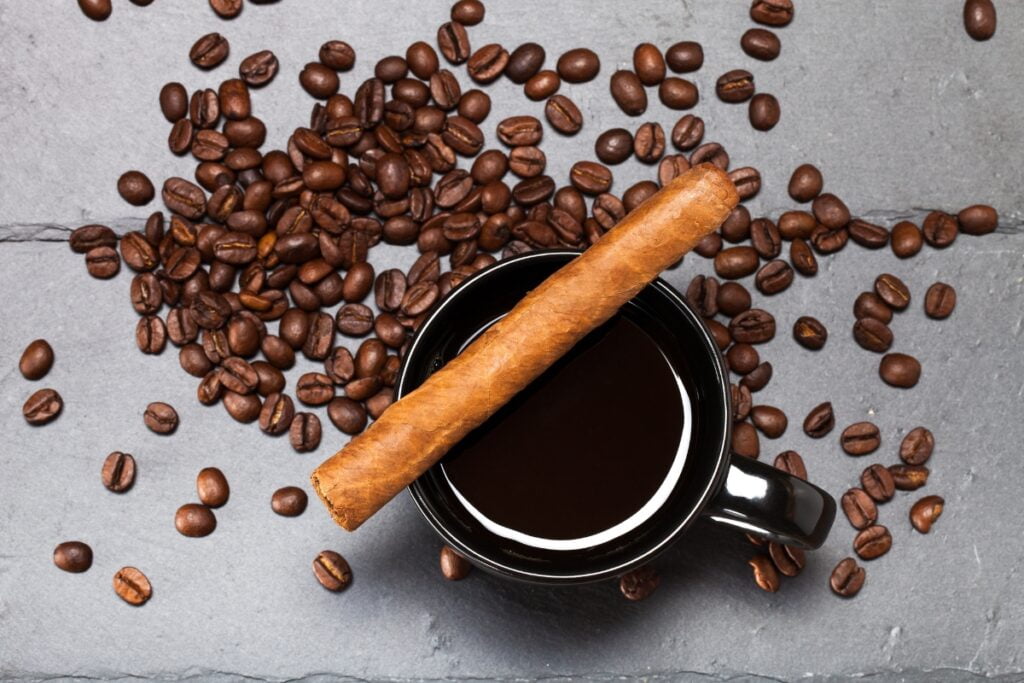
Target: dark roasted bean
820 421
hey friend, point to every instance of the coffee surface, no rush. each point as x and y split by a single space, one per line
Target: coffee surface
584 447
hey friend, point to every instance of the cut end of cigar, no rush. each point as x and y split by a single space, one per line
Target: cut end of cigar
337 512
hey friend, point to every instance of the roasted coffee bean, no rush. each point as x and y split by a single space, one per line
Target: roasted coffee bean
792 463
678 93
754 326
453 41
761 44
742 358
847 578
289 501
649 64
337 55
684 57
527 161
347 415
244 408
422 60
226 9
872 542
138 253
772 12
939 301
179 140
764 111
118 472
454 567
389 290
810 333
870 305
709 245
73 556
239 376
97 10
748 183
209 51
210 310
463 136
278 351
711 153
789 560
868 234
614 146
979 19
872 334
735 86
36 360
745 441
806 182
978 219
42 407
795 225
906 239
271 379
736 262
89 237
940 229
318 80
135 188
860 438
802 258
132 586
892 291
524 62
487 63
702 295
212 487
354 320
578 65
765 575
917 446
830 211
185 198
194 520
542 85
720 333
925 512
314 389
259 68
563 115
859 508
909 477
160 418
878 483
741 402
181 326
321 335
276 414
820 421
733 298
628 92
639 583
899 370
670 168
174 102
518 131
533 190
391 69
332 571
590 177
770 420
688 132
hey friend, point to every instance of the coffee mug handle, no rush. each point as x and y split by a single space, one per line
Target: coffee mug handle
768 502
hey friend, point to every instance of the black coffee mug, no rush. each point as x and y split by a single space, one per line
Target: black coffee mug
731 490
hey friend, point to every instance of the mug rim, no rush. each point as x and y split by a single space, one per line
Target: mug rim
676 527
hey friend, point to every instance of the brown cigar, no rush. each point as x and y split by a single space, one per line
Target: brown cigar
418 430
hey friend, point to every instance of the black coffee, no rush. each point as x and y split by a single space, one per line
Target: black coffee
585 446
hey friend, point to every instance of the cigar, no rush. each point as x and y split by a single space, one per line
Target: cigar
415 432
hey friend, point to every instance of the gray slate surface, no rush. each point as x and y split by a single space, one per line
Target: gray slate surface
896 105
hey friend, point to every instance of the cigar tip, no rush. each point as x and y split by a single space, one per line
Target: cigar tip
337 514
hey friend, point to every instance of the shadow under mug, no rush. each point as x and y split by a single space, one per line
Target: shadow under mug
731 490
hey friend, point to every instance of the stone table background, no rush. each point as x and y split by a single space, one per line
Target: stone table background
897 106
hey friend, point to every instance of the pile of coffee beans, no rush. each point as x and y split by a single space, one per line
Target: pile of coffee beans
284 235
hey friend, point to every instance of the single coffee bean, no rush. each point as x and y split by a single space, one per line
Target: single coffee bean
318 80
135 188
761 44
859 508
810 333
917 446
276 414
639 583
736 262
454 567
519 131
702 295
940 229
735 86
259 68
733 298
332 571
685 56
755 326
524 62
36 360
742 358
244 408
347 415
97 10
160 418
872 334
872 542
314 389
563 115
138 253
132 586
73 556
741 402
578 65
422 60
542 85
978 219
909 477
453 41
758 378
830 211
745 441
42 407
337 55
209 51
847 578
628 92
979 19
185 198
803 259
765 575
899 370
788 560
906 239
748 183
925 512
289 501
820 421
796 225
868 234
487 63
321 334
118 472
764 111
305 432
614 146
237 375
774 277
770 420
649 64
649 142
174 102
870 305
226 9
772 12
806 183
194 520
791 463
939 301
212 487
688 132
710 153
590 177
678 93
893 291
89 237
860 438
878 483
